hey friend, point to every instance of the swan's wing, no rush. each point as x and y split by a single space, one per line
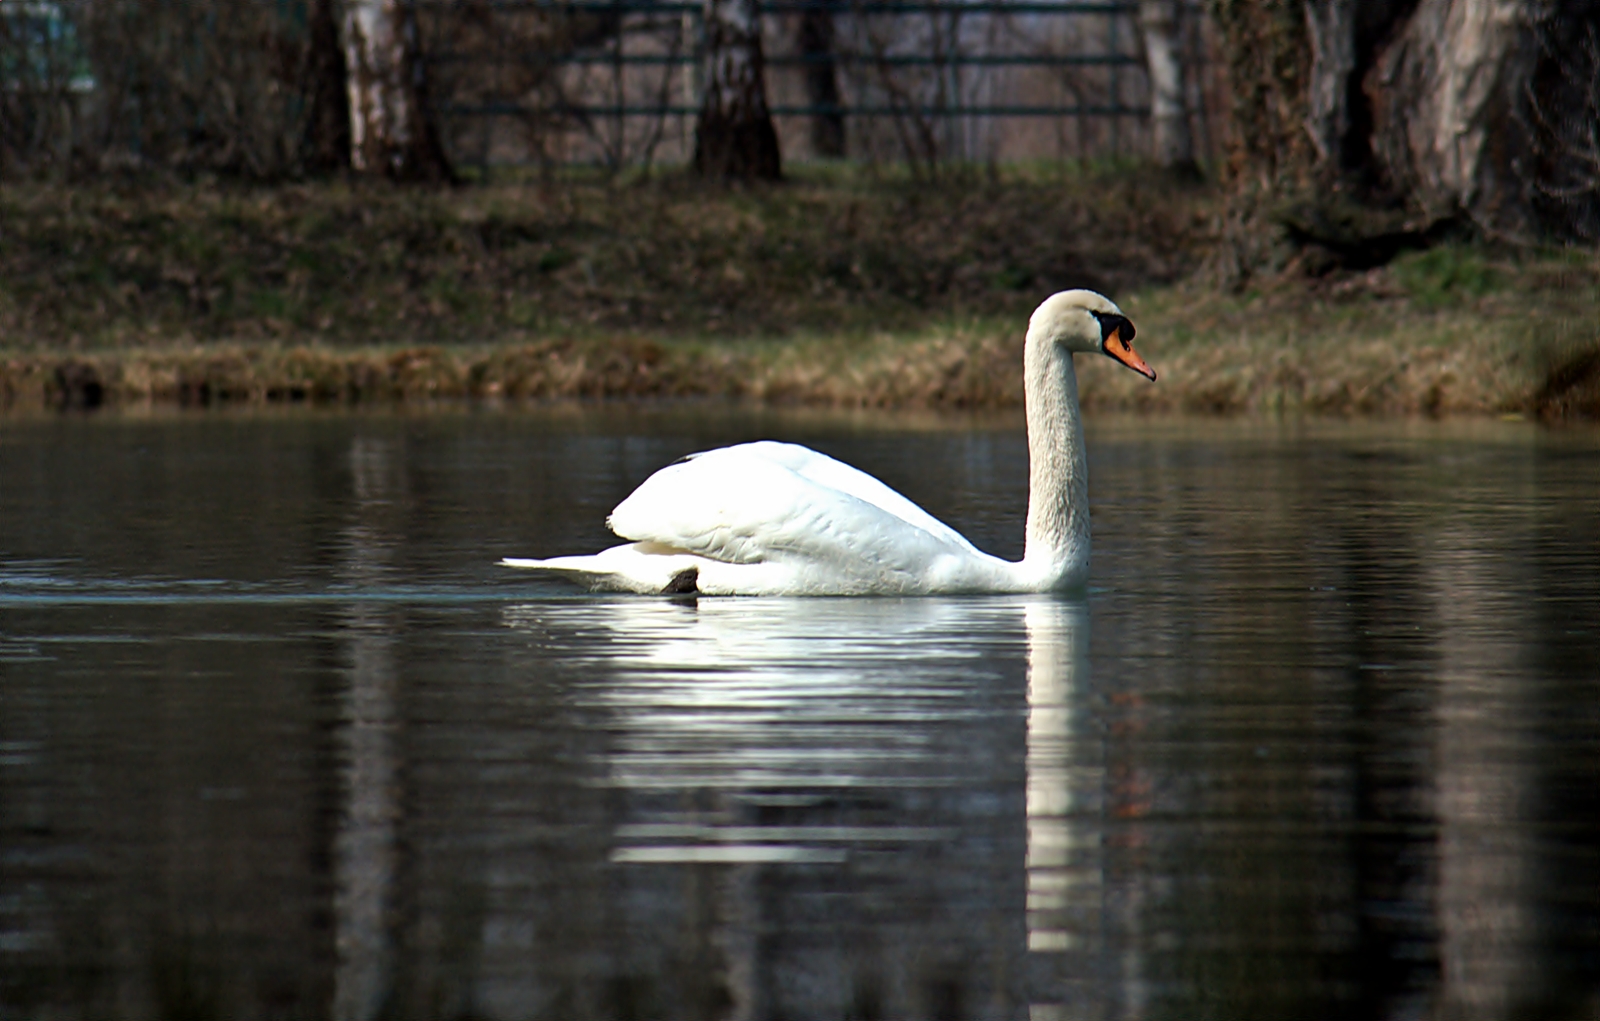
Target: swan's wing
763 501
834 474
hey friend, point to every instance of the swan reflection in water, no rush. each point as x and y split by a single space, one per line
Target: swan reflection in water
889 789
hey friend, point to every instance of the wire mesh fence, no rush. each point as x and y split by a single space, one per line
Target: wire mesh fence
921 81
239 87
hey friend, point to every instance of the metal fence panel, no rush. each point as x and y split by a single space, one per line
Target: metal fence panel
919 80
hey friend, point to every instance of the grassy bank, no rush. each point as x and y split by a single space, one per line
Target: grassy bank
847 291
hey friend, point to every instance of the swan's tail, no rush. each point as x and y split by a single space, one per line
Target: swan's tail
620 569
585 571
579 565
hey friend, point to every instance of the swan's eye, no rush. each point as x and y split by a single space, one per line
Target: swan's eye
1111 323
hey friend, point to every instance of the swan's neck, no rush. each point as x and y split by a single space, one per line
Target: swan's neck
1058 485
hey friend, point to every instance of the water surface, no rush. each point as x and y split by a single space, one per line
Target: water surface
278 739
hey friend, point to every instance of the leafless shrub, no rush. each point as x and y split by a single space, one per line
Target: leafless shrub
206 85
912 69
497 76
41 74
1562 120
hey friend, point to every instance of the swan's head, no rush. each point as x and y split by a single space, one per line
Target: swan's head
1088 322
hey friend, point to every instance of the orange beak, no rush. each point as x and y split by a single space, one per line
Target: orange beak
1119 349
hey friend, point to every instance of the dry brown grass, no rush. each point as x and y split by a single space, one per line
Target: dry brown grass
1409 338
938 371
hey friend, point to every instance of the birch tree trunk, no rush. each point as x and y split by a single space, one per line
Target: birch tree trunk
734 138
1169 109
391 131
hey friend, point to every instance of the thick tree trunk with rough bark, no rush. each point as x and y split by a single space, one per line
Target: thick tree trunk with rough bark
391 130
1264 49
1264 52
734 138
1366 126
1330 32
1444 97
1172 144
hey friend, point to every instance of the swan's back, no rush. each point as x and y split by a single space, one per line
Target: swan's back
766 501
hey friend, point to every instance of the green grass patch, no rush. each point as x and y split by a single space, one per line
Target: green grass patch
842 286
1440 276
654 254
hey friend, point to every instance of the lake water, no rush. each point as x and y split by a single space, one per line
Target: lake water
278 739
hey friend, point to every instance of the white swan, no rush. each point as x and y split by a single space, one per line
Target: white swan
773 518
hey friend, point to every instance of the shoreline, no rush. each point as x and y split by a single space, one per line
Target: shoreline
939 371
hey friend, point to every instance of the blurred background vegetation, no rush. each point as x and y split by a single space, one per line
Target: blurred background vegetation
345 173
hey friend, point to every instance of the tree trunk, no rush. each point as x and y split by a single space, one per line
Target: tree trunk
391 130
1270 157
1374 125
1330 30
822 82
325 146
1169 109
735 139
1444 94
1266 54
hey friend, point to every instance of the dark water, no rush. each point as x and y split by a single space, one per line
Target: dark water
277 738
